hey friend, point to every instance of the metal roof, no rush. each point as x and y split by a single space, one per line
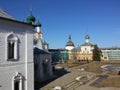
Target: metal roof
40 51
5 14
87 44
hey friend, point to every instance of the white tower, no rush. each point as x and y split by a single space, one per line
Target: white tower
70 44
38 31
87 38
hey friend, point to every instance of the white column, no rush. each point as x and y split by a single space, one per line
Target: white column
38 29
16 50
20 84
26 62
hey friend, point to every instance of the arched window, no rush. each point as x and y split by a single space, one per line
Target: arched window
12 47
18 82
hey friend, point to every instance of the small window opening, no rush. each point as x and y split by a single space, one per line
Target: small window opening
11 50
16 85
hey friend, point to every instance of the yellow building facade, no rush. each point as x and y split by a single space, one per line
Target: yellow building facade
84 53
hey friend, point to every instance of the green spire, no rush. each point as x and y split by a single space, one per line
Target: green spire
38 24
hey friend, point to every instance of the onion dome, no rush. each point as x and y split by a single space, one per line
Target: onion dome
87 37
30 19
38 24
70 43
87 42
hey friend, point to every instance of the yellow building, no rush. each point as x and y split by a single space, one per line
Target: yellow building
83 53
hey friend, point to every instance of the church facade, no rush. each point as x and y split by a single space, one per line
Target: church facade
16 54
82 53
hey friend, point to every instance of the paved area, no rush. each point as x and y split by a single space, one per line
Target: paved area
68 81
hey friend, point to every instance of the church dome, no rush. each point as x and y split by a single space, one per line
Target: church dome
38 24
30 19
70 43
87 37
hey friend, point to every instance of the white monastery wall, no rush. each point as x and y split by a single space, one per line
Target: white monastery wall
24 63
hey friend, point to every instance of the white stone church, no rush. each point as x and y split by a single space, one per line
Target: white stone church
24 55
16 54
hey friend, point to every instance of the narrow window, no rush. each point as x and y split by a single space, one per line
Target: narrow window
11 50
16 85
18 82
12 47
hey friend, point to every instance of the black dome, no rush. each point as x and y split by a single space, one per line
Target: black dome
70 43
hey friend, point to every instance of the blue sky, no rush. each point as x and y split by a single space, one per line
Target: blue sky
100 19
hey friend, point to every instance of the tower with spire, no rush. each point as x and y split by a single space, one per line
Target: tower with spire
87 37
69 45
86 49
30 18
38 30
38 39
44 67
